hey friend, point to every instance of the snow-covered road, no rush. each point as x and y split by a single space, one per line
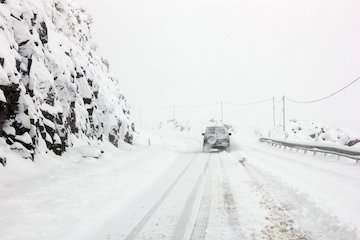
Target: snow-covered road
173 191
274 195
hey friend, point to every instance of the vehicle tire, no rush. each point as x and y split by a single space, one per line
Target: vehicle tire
227 149
205 148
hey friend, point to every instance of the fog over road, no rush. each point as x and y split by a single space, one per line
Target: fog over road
108 133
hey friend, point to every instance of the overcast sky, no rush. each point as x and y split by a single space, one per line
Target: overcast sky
205 51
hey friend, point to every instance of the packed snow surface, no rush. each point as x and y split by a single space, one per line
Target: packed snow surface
166 188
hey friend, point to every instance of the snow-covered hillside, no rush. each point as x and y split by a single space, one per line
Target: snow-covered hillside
54 88
310 131
175 125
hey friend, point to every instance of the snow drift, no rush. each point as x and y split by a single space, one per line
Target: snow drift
54 88
174 125
310 131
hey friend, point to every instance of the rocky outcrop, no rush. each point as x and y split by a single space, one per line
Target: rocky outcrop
315 132
53 86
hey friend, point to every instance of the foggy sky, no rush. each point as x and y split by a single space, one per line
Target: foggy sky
195 52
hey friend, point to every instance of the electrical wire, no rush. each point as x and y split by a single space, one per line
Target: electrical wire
249 103
327 96
200 106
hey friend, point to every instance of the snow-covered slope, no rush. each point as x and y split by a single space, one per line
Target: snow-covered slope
174 125
310 131
54 88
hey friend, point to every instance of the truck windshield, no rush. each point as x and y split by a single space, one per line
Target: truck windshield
213 130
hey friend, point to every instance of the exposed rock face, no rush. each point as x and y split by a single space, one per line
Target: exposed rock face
53 86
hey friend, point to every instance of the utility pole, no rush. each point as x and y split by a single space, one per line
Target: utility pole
173 112
222 111
274 114
284 114
141 116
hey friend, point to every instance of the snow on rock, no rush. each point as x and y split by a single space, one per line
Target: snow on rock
310 131
52 83
2 97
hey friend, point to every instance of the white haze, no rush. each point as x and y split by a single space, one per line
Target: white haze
194 52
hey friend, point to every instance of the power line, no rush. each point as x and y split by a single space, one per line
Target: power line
327 96
199 106
193 106
250 103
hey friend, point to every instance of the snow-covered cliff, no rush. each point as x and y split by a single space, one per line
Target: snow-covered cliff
54 88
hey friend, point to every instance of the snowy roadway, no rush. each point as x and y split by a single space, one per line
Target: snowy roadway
173 191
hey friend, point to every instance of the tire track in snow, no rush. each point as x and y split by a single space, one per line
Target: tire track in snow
202 219
280 224
230 205
304 216
218 216
217 222
181 230
137 229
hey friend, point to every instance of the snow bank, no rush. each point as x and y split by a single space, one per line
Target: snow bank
53 86
174 125
312 132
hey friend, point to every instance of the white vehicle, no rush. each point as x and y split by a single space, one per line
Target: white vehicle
216 137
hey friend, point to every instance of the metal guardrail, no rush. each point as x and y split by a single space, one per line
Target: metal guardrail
340 152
